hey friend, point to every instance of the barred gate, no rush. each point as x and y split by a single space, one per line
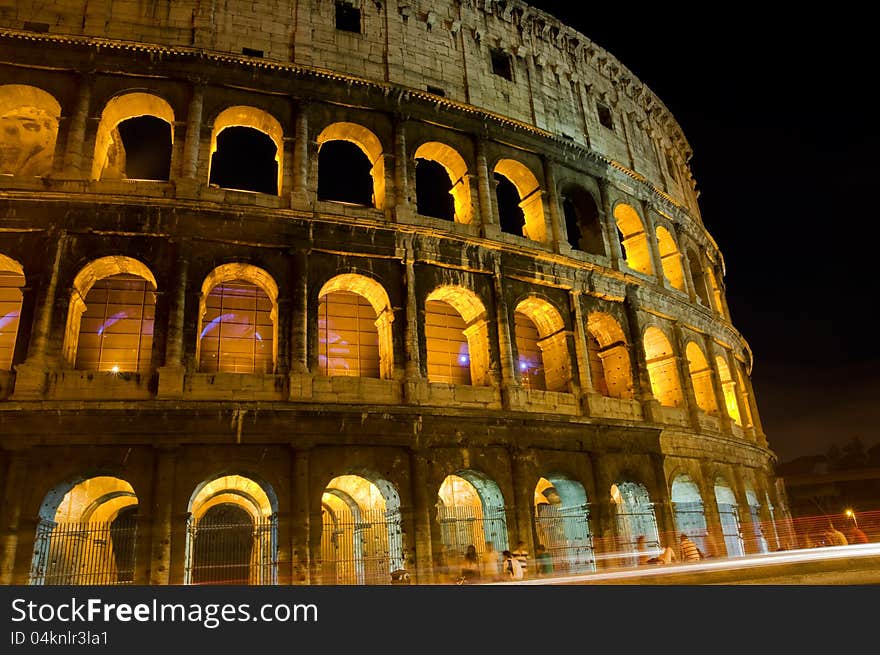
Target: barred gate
232 552
463 526
690 518
362 548
730 529
94 553
632 524
565 534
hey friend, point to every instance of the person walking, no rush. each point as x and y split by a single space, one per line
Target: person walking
689 550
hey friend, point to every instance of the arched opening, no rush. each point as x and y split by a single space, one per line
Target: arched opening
110 317
238 322
543 360
610 367
747 419
443 188
699 278
354 328
687 507
86 534
634 517
562 524
701 378
728 512
246 151
662 368
11 282
232 533
470 512
583 227
757 524
714 289
633 239
134 139
362 540
28 130
520 204
670 258
456 337
351 166
728 386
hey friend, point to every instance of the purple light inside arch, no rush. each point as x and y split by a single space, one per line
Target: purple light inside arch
215 322
118 316
9 318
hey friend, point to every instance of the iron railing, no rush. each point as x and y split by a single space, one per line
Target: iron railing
234 553
93 553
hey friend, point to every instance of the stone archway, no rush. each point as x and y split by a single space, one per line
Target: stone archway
562 524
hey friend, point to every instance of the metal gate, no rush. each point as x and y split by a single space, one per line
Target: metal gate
690 518
630 525
237 553
362 548
565 534
463 526
84 553
730 529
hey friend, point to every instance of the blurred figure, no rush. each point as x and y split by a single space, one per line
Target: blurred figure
543 561
512 568
711 548
689 550
834 537
470 568
642 547
857 536
522 554
491 563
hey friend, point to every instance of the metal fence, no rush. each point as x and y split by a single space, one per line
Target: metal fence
465 525
360 548
96 553
690 518
730 529
565 534
236 553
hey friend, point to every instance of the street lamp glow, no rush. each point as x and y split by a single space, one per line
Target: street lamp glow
115 369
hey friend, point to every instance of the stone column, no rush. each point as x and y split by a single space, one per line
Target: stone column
715 540
521 473
413 365
171 375
618 261
422 507
75 160
685 265
510 387
10 513
720 399
299 360
746 524
484 188
552 196
162 510
189 169
402 207
602 524
641 379
300 516
300 194
653 245
684 373
581 350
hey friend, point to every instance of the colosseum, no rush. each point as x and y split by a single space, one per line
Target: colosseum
328 291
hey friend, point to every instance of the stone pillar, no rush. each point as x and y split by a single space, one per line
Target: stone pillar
10 512
299 350
300 516
684 373
402 207
663 504
422 506
521 474
715 544
746 524
171 375
602 514
300 198
162 511
582 356
720 399
189 169
552 195
653 246
610 223
413 365
744 412
685 265
75 160
510 387
639 360
484 188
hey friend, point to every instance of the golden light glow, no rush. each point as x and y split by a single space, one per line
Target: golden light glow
456 168
662 368
670 258
701 377
11 282
257 119
530 197
458 343
610 367
633 239
370 145
28 130
730 391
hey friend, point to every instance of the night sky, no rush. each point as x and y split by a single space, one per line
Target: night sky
779 111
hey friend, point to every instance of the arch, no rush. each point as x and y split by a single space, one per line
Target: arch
242 116
109 161
544 362
748 422
109 329
368 143
701 378
714 289
362 535
583 227
728 512
562 523
634 517
86 533
529 202
662 368
688 510
232 531
633 239
456 336
698 276
12 280
459 180
754 505
238 315
470 511
670 258
728 386
28 130
368 344
608 354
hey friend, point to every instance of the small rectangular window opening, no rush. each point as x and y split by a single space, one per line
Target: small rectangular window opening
436 90
36 27
348 17
605 118
501 64
251 52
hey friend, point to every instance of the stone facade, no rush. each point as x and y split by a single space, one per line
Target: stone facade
413 75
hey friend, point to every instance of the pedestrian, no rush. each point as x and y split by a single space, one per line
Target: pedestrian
689 550
470 569
857 536
512 568
642 547
834 537
543 560
490 563
522 554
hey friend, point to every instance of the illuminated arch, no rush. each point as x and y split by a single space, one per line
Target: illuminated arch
728 512
530 197
443 336
562 523
714 289
670 258
701 377
633 239
662 368
28 130
747 419
688 510
257 119
11 282
237 286
470 511
373 293
610 366
99 329
728 385
583 226
634 516
368 143
456 168
108 161
542 346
